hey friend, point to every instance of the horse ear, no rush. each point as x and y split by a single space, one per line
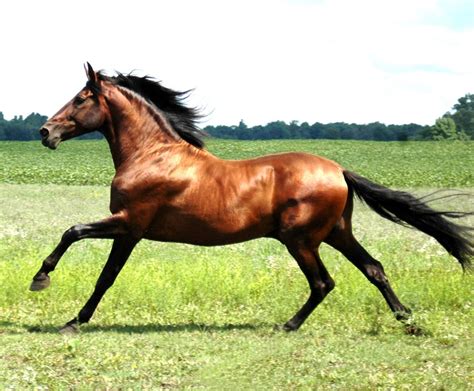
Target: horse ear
93 79
91 75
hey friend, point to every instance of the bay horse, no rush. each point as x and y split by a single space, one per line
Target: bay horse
168 188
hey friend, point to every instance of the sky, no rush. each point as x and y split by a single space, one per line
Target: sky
405 61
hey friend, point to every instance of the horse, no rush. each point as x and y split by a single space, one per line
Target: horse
167 187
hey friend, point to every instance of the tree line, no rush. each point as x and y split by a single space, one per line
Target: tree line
20 128
332 131
457 124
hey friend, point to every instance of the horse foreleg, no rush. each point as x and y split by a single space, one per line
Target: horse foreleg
319 280
119 254
109 228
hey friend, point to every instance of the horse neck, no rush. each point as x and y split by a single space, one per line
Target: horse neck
135 129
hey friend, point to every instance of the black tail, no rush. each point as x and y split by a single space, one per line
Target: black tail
405 209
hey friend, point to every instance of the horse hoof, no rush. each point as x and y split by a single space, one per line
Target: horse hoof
69 329
288 327
41 283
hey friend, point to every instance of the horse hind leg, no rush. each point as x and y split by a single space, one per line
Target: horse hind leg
343 240
319 280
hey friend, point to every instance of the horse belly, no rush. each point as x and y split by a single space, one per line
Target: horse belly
219 229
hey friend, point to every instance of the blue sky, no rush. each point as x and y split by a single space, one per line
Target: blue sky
454 14
335 60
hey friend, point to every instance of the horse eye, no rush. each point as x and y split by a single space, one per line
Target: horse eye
79 100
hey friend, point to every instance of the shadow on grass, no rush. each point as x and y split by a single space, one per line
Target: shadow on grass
160 328
18 328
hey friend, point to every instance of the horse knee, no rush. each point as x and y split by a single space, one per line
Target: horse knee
330 284
322 288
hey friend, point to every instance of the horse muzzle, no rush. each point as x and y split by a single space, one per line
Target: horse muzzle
49 140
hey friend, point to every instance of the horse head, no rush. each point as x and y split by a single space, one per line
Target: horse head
84 113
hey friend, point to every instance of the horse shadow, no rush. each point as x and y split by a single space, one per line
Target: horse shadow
7 327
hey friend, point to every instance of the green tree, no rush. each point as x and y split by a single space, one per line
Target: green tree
2 126
277 130
463 115
242 126
445 129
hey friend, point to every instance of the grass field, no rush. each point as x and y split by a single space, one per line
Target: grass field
399 164
188 317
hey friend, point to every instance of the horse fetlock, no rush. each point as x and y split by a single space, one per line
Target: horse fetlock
403 314
40 282
84 316
292 325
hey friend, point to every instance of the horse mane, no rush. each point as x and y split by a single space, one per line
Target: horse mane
183 119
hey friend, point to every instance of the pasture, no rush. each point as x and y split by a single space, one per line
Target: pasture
189 317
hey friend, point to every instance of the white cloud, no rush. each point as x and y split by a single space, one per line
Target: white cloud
259 61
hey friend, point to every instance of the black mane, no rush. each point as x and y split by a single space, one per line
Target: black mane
183 119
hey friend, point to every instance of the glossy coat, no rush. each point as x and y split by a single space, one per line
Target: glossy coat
168 188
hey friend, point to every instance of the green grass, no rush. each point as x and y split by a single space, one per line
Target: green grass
399 164
190 317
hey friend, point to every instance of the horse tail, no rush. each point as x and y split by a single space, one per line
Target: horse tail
405 209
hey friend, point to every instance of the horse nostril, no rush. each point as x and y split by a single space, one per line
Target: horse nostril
44 132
